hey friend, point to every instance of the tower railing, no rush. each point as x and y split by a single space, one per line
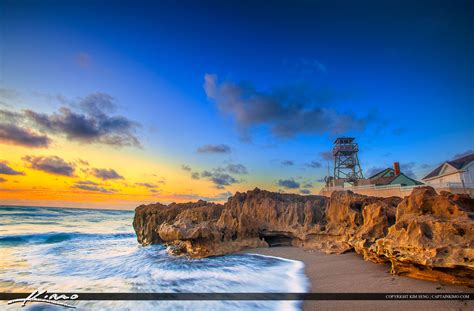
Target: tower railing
345 148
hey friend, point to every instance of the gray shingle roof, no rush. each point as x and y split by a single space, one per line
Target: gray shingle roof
458 163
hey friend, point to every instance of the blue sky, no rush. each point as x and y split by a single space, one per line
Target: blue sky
398 74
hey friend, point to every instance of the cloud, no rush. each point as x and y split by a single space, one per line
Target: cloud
83 60
2 179
205 174
87 182
223 196
151 187
50 164
185 168
6 170
97 104
407 169
14 135
288 111
146 185
83 162
373 170
327 155
221 180
287 163
8 93
218 178
314 164
288 183
213 149
92 186
305 191
106 174
308 185
91 124
236 169
463 154
10 116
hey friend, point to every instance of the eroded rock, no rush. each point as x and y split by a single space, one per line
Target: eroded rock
432 238
425 235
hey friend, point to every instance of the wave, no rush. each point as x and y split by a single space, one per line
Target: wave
294 281
16 208
97 251
30 215
13 211
57 237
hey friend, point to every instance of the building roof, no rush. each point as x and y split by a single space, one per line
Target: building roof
458 163
380 179
381 173
383 180
387 180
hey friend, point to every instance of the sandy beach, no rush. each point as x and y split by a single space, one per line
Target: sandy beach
351 274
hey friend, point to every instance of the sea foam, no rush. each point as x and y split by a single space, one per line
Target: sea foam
96 251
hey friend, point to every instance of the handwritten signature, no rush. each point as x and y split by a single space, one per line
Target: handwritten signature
45 297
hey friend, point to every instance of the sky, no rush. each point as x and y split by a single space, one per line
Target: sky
113 104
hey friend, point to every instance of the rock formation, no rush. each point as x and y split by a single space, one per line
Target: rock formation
425 235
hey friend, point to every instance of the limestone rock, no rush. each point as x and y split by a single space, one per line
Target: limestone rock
172 221
432 238
425 235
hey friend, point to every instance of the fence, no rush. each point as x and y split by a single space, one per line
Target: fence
401 191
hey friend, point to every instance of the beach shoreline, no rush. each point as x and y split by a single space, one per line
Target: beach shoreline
349 273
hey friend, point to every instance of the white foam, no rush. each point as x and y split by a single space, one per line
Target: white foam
100 264
298 282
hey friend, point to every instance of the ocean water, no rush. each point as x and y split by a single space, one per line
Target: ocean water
90 250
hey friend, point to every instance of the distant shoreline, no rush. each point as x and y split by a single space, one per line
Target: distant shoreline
349 273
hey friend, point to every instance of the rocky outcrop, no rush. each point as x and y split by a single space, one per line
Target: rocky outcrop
158 223
432 238
425 235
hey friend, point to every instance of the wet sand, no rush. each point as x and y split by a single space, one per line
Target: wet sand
349 273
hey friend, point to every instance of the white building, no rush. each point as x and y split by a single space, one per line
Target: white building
458 173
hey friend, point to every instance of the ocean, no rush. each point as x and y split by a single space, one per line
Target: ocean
92 250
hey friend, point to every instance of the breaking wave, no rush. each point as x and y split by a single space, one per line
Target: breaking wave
56 237
96 251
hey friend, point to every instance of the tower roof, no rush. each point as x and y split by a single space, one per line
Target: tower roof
344 140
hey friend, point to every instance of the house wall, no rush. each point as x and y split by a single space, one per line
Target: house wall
401 179
468 175
455 177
